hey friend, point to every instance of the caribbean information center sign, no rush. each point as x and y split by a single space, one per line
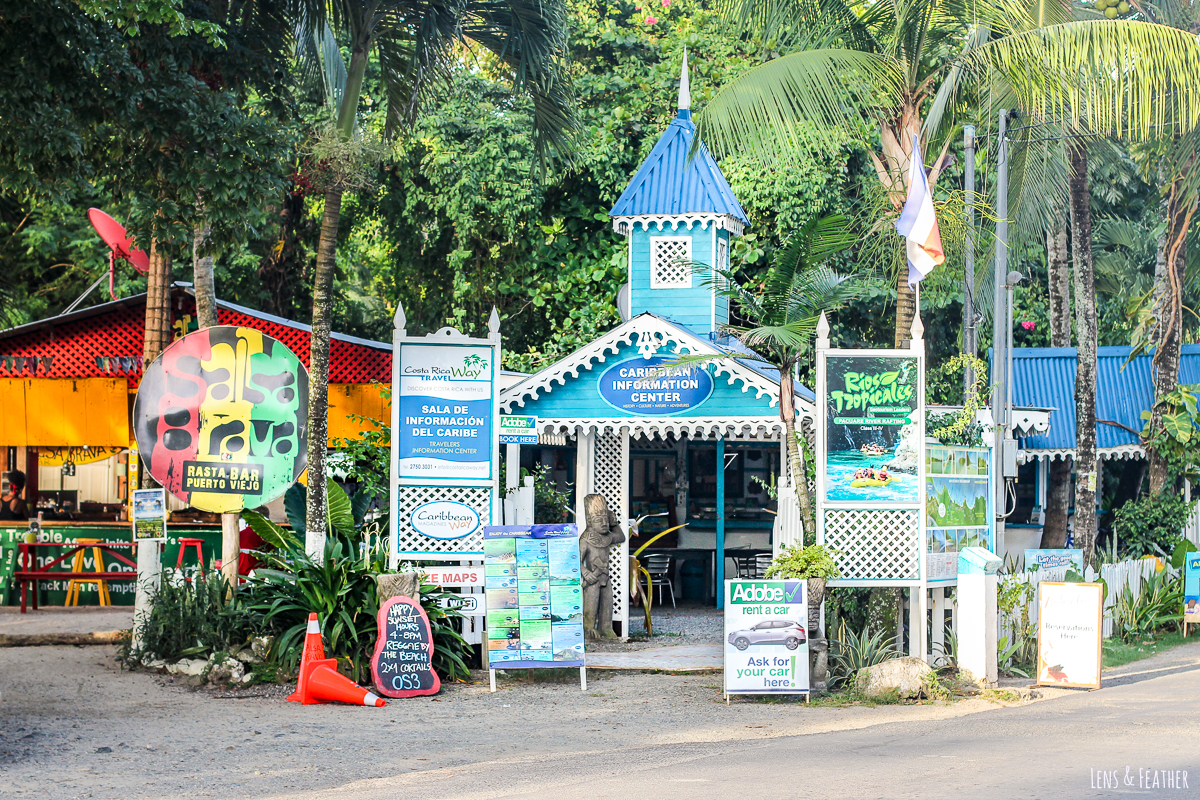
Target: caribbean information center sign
652 387
445 443
221 418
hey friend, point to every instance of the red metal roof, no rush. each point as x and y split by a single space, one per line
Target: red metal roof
106 341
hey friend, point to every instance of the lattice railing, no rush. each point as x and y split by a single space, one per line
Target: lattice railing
877 544
609 480
671 258
410 541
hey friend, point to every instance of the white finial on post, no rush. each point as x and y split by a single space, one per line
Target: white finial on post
917 331
823 332
399 322
494 323
685 92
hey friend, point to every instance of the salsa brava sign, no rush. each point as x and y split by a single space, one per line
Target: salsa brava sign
221 418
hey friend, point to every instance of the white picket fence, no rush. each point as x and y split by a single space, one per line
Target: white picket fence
1117 576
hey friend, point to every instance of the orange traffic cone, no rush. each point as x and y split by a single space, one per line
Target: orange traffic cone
320 681
314 651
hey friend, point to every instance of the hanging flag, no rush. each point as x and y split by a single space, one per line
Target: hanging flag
918 224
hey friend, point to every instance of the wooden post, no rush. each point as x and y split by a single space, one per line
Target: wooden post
231 549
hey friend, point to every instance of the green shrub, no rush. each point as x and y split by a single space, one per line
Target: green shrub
190 620
1160 604
795 561
851 651
1151 525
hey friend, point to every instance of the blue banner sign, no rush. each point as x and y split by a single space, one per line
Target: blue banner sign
446 408
652 387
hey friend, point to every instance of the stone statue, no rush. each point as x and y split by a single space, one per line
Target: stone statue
601 532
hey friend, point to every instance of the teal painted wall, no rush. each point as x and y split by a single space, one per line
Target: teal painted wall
692 308
580 397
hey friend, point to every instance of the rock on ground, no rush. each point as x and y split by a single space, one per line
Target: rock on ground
909 676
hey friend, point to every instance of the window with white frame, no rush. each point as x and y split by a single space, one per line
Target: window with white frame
722 262
670 262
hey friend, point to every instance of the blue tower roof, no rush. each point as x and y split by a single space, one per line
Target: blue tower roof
670 184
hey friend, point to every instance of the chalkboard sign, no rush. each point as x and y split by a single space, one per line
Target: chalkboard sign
403 662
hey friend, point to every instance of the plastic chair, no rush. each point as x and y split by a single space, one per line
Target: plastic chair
75 584
659 567
761 562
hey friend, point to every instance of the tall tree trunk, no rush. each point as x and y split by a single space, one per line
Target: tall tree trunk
315 517
1058 491
318 374
157 321
203 280
906 309
205 285
1086 465
787 412
1168 308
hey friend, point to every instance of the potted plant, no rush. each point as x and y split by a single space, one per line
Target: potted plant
813 563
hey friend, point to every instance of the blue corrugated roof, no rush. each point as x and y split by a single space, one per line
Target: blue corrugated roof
668 182
1044 377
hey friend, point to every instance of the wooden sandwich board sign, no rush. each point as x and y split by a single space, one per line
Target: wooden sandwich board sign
1070 634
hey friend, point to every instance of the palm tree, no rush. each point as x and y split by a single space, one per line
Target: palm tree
418 44
781 320
880 73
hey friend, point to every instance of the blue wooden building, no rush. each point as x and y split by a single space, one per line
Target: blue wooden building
700 447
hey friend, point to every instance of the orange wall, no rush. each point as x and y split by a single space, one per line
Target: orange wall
73 412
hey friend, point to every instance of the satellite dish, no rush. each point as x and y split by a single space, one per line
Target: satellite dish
113 234
623 302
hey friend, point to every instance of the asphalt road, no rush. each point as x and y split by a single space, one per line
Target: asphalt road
1116 741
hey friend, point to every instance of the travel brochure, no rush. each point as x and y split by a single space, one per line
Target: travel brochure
957 506
534 596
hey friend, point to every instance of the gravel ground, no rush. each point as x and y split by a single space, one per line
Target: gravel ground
56 619
73 725
681 625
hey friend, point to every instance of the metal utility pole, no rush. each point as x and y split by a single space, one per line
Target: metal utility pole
1000 343
968 343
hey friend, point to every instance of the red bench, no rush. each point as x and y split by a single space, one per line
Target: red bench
26 572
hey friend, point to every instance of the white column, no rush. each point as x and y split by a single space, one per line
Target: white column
512 466
585 465
938 633
149 576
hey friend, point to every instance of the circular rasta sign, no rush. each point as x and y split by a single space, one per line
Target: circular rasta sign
221 418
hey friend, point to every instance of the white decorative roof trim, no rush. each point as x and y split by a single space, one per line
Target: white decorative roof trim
657 334
1124 452
1028 422
624 225
761 428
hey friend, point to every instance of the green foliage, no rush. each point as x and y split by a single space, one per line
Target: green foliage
1151 525
851 652
550 505
796 561
961 427
190 620
1016 653
1138 617
1177 439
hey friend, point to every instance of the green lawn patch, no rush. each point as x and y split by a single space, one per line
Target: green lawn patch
1118 653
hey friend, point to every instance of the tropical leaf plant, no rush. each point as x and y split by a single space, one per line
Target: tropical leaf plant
851 652
642 582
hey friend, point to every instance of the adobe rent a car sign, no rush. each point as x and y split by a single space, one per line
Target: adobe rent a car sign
766 641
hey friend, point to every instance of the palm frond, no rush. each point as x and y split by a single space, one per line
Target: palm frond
810 96
1116 76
